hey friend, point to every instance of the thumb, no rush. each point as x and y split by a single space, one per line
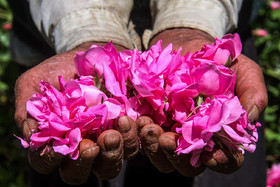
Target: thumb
24 89
78 171
222 160
250 86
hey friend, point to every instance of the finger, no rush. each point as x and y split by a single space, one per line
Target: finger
128 129
109 162
168 143
149 136
45 161
222 160
28 83
142 121
77 171
24 89
29 127
250 86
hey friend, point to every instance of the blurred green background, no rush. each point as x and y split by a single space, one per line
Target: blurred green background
13 165
267 38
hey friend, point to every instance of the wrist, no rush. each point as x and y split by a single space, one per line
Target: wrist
86 45
189 39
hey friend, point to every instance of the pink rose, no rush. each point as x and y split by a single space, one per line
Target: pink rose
65 117
240 134
260 32
7 26
181 106
220 117
149 73
273 176
83 88
222 52
274 5
90 62
206 79
109 68
115 80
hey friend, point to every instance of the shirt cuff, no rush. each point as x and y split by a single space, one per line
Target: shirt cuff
211 16
92 24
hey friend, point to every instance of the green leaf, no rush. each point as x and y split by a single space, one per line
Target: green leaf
228 62
273 90
271 109
3 86
4 39
275 15
270 135
278 46
273 73
3 3
4 57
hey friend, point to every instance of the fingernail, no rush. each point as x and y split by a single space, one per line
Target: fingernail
167 144
220 156
52 154
26 131
112 141
253 114
124 124
143 120
90 153
151 133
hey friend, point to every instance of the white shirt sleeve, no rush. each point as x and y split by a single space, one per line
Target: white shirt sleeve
215 17
69 23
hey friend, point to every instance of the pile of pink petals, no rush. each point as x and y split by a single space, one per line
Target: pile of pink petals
192 95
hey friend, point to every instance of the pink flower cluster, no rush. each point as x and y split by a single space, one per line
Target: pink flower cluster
78 110
83 107
192 95
273 176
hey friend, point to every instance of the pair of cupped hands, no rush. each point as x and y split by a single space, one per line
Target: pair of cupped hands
105 157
